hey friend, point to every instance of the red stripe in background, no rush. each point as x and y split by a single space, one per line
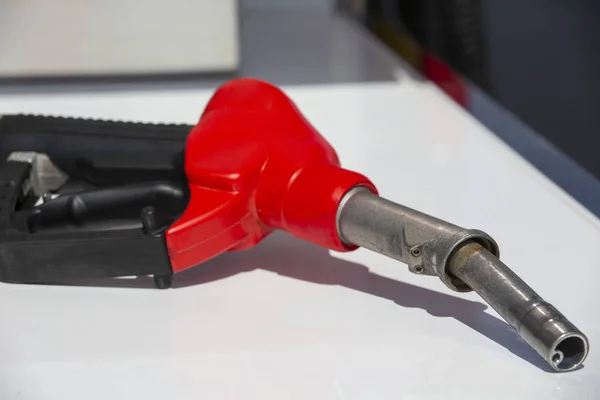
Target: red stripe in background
445 78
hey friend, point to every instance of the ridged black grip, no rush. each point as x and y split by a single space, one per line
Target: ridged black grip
21 123
91 149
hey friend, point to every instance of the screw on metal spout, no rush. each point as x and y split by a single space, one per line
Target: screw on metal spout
538 323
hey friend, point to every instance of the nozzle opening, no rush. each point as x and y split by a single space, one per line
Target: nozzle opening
569 353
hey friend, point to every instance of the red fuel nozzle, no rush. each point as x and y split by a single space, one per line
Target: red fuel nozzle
255 164
252 164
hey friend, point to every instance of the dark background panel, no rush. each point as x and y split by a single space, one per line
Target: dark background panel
545 67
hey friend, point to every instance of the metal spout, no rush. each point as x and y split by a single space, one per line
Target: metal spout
465 260
537 322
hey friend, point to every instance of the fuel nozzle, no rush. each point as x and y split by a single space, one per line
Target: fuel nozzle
465 260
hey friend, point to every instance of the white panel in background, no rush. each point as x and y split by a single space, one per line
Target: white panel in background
117 37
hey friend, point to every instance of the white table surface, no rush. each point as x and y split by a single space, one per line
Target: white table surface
287 320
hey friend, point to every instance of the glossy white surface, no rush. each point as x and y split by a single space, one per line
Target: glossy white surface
287 320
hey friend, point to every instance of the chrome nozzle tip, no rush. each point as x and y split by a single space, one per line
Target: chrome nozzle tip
554 337
537 322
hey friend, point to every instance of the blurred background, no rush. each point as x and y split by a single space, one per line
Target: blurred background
526 69
538 58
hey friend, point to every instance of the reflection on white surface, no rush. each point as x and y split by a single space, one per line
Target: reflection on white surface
287 320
